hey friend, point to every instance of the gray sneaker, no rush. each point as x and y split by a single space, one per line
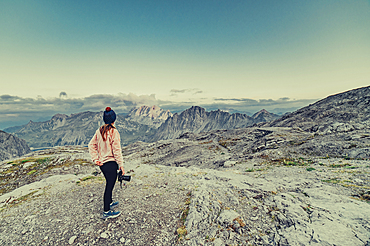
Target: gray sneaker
111 214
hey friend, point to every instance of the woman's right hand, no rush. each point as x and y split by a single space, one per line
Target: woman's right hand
98 163
123 170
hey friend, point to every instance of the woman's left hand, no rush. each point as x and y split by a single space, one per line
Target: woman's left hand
99 163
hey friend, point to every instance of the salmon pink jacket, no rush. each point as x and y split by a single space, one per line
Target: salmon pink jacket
109 150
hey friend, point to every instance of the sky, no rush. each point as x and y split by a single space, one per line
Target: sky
239 56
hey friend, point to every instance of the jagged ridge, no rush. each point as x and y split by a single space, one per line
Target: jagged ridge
196 119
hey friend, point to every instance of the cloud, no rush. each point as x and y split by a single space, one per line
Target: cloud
16 110
282 105
63 95
175 92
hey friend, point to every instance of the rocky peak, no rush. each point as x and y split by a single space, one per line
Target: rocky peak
263 111
59 117
154 112
12 146
194 112
264 116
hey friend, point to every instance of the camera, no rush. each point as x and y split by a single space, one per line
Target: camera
123 177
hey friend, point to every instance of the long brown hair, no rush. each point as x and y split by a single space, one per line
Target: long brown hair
104 129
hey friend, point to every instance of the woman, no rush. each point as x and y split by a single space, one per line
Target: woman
105 151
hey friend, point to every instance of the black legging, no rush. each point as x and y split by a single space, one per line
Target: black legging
109 170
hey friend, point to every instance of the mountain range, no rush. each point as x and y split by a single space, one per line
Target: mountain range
140 124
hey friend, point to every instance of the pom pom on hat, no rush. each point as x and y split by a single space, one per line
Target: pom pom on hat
109 116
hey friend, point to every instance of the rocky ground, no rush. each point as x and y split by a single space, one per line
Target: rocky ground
255 186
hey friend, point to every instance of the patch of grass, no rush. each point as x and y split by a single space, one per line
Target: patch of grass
307 208
23 198
249 170
63 164
31 172
181 230
310 169
240 221
339 165
351 167
296 143
87 178
356 186
293 162
333 181
10 170
181 233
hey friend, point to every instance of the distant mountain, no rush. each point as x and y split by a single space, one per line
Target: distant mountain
152 116
341 112
264 116
196 119
11 146
77 129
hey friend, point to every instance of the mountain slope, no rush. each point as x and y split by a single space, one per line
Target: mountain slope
345 111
